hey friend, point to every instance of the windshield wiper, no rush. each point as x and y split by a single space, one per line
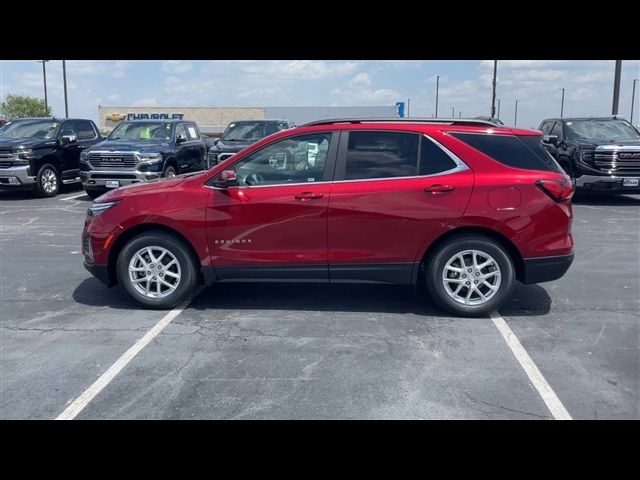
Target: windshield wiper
233 139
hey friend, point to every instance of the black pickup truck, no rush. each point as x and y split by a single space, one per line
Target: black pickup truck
600 154
140 151
241 134
43 153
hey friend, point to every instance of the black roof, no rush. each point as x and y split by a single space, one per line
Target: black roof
261 120
50 119
575 119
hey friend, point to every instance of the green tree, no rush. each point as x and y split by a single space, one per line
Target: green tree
19 106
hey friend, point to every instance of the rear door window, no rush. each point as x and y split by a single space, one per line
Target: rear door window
524 152
433 159
380 154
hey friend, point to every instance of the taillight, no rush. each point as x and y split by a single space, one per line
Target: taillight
559 189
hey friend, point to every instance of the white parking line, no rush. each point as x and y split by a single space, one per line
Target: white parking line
549 397
74 196
90 393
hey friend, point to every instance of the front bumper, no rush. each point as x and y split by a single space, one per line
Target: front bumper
101 272
16 176
605 183
546 269
97 179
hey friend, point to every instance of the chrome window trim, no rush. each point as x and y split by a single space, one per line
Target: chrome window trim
460 167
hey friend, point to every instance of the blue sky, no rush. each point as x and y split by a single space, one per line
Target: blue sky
464 85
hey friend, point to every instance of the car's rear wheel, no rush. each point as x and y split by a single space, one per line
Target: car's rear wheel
157 270
470 275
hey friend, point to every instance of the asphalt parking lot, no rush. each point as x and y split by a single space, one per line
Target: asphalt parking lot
299 351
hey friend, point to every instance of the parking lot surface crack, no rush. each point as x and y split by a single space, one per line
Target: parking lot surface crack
502 407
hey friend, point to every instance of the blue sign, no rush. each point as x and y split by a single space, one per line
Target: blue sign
155 116
400 109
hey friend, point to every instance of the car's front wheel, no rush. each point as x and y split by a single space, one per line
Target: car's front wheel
47 181
470 275
157 270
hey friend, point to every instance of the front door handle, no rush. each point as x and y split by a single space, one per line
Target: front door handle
438 188
309 195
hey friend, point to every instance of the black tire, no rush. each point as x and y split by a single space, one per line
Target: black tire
436 263
93 194
47 181
177 248
170 171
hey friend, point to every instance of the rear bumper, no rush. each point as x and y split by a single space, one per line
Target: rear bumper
605 183
101 272
16 176
546 269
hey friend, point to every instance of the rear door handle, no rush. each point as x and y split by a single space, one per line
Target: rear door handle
438 188
309 195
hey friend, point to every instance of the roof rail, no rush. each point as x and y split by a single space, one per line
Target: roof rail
450 121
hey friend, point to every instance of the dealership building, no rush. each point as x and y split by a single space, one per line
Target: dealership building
213 120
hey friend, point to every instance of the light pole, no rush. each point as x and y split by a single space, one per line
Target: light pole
493 97
64 80
633 98
453 115
408 107
616 87
498 117
459 113
437 88
515 117
44 76
562 103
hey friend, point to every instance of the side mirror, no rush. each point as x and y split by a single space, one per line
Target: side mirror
550 139
181 139
66 139
216 141
226 179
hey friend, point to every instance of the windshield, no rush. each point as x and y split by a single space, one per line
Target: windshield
251 131
151 131
612 130
44 129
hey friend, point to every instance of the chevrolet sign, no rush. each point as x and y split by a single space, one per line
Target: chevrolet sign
116 117
154 116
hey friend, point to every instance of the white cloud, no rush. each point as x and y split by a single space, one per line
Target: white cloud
361 80
296 69
113 97
176 66
145 102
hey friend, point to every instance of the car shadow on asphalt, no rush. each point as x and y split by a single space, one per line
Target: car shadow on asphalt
527 300
605 200
9 195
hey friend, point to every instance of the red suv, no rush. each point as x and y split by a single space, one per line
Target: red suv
465 207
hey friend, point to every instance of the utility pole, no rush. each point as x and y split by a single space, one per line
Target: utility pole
453 115
437 87
498 116
64 80
495 82
515 117
562 103
44 76
408 107
616 87
459 113
633 99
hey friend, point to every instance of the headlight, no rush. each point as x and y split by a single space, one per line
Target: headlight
586 154
84 155
23 153
149 157
96 209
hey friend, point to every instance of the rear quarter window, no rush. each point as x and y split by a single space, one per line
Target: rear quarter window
524 152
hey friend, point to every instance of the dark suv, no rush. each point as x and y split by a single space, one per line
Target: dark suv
43 153
464 207
241 134
599 154
140 151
